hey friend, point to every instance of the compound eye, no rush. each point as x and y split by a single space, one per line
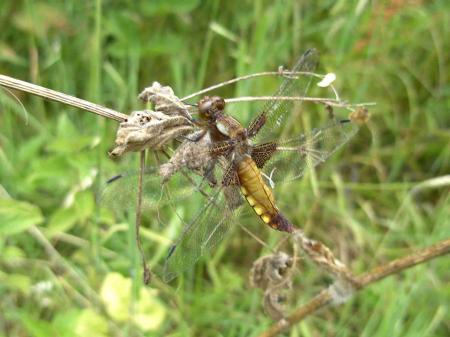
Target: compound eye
204 106
220 103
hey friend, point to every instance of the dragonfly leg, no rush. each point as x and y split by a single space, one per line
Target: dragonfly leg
171 250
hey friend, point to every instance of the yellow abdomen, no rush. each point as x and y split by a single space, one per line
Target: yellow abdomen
260 196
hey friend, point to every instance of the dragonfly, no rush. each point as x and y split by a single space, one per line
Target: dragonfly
224 165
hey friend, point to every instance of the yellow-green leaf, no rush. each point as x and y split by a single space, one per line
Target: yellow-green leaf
115 294
91 323
16 216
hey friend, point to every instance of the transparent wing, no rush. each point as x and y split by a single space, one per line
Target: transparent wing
286 160
119 193
188 204
203 231
275 112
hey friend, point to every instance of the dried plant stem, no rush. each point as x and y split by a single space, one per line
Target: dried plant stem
256 237
325 297
408 261
56 96
147 273
327 101
247 77
322 256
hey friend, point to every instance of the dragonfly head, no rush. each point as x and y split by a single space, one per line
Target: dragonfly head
210 107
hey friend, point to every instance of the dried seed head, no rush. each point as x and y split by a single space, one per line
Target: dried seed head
270 270
274 304
322 256
154 129
360 115
164 100
273 274
193 155
149 130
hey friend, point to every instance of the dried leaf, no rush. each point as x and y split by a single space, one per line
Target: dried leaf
273 274
149 130
193 155
360 116
270 270
322 256
274 304
164 100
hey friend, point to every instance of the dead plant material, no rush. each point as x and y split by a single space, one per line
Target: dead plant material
153 129
147 274
194 155
164 100
360 116
148 130
273 274
328 296
53 95
322 256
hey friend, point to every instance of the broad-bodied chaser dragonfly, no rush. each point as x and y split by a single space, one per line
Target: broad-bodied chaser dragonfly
222 163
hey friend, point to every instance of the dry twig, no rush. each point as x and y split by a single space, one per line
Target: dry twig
322 256
280 72
326 101
147 273
327 296
57 96
153 129
335 102
273 274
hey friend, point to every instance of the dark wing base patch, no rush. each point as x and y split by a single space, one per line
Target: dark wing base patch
262 153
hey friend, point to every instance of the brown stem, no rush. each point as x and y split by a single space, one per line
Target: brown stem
327 101
325 297
53 95
408 261
147 273
247 77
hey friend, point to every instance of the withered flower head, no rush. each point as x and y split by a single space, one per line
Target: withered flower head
322 256
273 274
193 155
360 115
150 129
164 100
270 270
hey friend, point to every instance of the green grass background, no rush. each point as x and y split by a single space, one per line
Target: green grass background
68 268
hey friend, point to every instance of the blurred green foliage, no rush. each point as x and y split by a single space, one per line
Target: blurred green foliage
68 268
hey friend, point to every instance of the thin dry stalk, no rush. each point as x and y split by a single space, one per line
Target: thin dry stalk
325 297
322 256
326 101
256 237
247 77
282 73
57 96
147 273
